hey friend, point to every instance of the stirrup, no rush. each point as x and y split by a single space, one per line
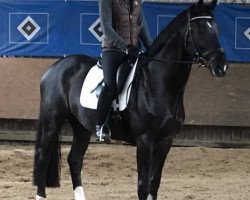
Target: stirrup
104 136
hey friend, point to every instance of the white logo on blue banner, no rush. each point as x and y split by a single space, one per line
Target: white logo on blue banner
247 33
242 33
91 33
29 28
163 21
96 30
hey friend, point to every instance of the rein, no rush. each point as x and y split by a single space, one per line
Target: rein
168 61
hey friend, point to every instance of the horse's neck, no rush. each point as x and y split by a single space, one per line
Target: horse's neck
168 77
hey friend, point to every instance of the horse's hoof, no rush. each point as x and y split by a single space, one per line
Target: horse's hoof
39 198
150 197
79 193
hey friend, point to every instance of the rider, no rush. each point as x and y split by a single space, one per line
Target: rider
123 24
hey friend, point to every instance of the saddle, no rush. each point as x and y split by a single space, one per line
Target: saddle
93 83
121 77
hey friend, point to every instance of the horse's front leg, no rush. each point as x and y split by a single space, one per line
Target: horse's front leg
159 156
144 158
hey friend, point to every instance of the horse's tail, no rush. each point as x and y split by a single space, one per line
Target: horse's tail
47 155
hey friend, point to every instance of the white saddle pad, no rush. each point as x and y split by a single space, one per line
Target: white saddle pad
88 98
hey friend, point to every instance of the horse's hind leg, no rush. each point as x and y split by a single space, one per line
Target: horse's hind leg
159 157
81 137
47 151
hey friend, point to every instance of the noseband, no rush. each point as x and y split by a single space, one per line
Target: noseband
203 58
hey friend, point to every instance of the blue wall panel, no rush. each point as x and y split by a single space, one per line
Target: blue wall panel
57 28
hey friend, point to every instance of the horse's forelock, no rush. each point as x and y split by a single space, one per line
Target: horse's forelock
200 7
204 10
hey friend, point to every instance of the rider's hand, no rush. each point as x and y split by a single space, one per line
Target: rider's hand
132 51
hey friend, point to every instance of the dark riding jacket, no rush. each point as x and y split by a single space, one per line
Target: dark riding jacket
123 23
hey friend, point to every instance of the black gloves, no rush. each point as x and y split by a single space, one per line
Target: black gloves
132 51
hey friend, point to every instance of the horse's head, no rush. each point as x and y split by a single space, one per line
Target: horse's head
202 38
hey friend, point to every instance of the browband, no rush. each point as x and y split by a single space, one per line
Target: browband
201 17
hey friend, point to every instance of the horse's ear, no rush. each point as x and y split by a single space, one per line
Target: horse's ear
200 3
212 4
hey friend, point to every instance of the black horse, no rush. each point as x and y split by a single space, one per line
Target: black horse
155 111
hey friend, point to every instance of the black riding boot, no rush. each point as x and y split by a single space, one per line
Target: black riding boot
111 60
103 107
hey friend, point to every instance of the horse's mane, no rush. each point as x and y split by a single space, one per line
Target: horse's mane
166 33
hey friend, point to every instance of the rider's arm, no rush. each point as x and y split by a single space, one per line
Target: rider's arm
144 33
105 10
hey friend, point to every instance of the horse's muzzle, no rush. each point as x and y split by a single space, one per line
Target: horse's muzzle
220 71
218 65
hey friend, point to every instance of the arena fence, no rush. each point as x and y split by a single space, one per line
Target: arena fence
23 131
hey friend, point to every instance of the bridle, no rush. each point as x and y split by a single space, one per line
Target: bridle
200 57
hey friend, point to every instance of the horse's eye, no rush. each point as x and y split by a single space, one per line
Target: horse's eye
201 30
